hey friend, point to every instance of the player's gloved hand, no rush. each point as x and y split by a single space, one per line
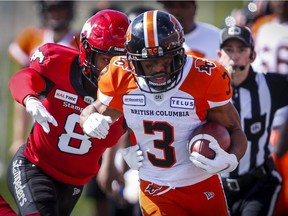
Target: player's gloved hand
222 163
133 156
39 113
97 125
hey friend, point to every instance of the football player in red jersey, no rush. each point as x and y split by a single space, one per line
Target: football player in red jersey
164 95
56 18
46 175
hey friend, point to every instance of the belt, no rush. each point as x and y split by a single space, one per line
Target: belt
235 184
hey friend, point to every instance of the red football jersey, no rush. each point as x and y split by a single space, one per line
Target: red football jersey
65 153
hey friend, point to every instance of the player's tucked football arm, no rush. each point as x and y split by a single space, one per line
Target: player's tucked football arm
224 161
228 116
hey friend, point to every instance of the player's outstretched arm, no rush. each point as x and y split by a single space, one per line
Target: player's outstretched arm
86 112
39 113
96 119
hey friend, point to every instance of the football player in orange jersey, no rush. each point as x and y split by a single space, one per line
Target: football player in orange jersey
164 95
56 17
47 174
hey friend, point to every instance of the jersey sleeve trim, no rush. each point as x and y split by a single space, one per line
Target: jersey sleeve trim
104 98
213 104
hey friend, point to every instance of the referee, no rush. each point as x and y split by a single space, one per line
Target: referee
253 188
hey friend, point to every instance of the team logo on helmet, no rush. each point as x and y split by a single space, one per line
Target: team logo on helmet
87 28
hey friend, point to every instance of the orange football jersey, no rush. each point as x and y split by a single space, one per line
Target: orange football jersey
163 122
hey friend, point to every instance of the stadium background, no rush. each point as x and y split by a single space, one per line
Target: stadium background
14 15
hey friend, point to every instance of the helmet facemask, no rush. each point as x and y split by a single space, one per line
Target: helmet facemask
90 68
172 78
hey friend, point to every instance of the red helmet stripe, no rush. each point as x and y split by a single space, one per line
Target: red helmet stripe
150 29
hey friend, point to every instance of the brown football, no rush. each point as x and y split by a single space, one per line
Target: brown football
206 133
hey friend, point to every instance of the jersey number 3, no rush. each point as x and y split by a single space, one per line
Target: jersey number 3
164 144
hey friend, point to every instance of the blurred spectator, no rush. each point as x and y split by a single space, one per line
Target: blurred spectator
272 41
262 16
101 5
237 17
56 17
253 14
201 39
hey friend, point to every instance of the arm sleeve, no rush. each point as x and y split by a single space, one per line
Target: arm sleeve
220 90
26 82
109 92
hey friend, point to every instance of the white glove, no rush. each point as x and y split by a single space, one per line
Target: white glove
97 125
133 156
39 113
222 163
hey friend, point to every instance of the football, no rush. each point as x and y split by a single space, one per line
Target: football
207 133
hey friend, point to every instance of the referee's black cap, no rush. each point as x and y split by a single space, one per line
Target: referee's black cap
237 32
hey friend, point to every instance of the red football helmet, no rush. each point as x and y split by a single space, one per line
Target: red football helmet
103 33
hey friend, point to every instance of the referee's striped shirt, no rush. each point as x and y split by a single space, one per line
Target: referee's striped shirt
257 100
